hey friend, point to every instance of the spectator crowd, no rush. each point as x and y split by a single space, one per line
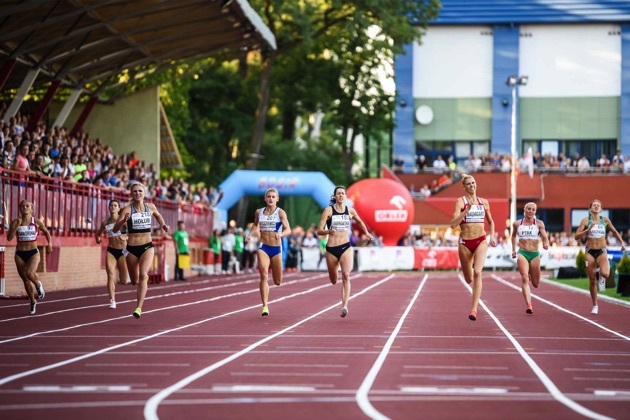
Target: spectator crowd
54 153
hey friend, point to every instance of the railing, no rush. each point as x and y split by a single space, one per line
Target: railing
71 209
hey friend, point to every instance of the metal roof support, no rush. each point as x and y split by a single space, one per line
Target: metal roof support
44 104
19 97
67 107
78 126
5 71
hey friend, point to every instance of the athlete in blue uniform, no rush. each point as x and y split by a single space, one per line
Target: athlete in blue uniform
271 225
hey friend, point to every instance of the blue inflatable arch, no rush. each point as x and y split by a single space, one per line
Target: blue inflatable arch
241 183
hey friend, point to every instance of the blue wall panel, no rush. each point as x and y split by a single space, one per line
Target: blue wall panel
505 63
624 106
404 143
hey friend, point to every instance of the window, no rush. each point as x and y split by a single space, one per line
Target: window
553 219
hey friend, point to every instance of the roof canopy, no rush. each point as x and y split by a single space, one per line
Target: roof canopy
82 42
485 12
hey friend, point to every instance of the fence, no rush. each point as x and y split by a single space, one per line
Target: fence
71 209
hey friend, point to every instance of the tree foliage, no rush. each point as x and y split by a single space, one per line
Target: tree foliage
257 112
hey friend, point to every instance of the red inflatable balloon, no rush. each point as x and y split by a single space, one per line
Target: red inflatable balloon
385 206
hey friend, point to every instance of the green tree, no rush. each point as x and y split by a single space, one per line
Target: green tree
356 37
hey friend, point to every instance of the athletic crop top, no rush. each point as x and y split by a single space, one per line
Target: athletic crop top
477 212
339 221
28 233
598 231
528 231
271 223
140 221
109 229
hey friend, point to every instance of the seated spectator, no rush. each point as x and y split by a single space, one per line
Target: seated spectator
8 154
38 166
425 191
21 163
62 169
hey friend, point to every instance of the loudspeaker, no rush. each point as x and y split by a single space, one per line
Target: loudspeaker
568 273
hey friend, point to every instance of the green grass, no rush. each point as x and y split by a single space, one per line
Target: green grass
583 284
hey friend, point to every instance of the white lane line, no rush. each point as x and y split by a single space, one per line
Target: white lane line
295 365
149 297
197 302
611 393
560 308
462 390
11 378
547 382
150 408
586 292
263 388
456 367
77 388
138 364
362 393
278 374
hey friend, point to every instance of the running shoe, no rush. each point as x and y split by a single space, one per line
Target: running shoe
529 309
33 305
344 312
137 313
473 315
40 290
265 311
112 304
595 310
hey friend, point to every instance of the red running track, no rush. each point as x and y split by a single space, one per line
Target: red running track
406 350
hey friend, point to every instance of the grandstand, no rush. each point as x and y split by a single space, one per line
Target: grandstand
67 71
454 101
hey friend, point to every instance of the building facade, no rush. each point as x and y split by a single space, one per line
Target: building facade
453 99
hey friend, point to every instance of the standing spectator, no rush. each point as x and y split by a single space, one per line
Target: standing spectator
227 249
399 164
239 248
214 243
181 250
439 166
421 163
583 165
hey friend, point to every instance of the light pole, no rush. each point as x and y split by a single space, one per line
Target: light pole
514 81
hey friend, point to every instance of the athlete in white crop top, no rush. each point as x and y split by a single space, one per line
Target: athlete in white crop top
271 225
471 212
593 228
138 216
336 222
529 231
115 255
27 228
